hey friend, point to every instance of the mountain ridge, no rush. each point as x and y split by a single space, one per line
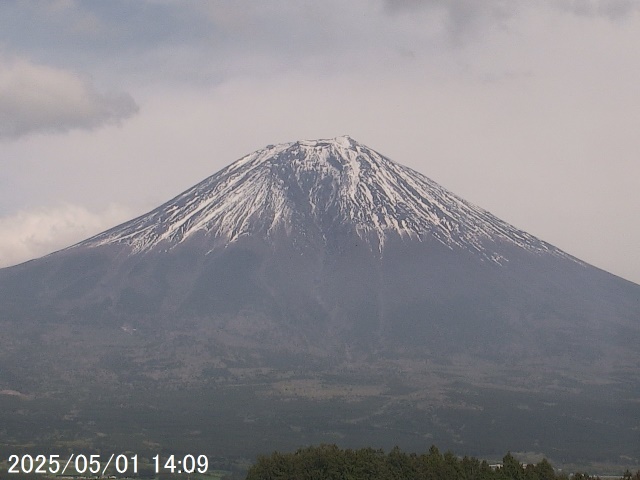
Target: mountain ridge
315 186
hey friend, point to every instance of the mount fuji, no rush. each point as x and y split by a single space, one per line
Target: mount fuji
318 291
325 188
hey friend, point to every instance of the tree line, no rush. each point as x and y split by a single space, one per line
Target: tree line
328 462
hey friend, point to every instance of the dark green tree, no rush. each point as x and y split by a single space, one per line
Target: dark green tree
544 470
512 468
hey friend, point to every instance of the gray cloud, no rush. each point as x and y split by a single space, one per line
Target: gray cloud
211 42
206 43
611 9
463 10
40 99
461 19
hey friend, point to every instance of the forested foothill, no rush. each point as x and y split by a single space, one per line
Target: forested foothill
329 462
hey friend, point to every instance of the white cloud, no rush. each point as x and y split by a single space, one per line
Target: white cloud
30 234
41 99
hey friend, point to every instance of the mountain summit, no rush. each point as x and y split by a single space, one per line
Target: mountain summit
317 190
311 292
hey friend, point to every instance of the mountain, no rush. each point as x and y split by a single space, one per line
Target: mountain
318 291
320 189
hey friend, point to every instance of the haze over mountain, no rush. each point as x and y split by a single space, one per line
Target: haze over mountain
318 291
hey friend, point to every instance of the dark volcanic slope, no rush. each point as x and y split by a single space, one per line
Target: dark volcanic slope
322 271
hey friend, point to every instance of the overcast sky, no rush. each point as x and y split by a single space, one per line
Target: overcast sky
530 110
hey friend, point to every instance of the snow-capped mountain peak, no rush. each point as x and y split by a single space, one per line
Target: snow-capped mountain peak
323 188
